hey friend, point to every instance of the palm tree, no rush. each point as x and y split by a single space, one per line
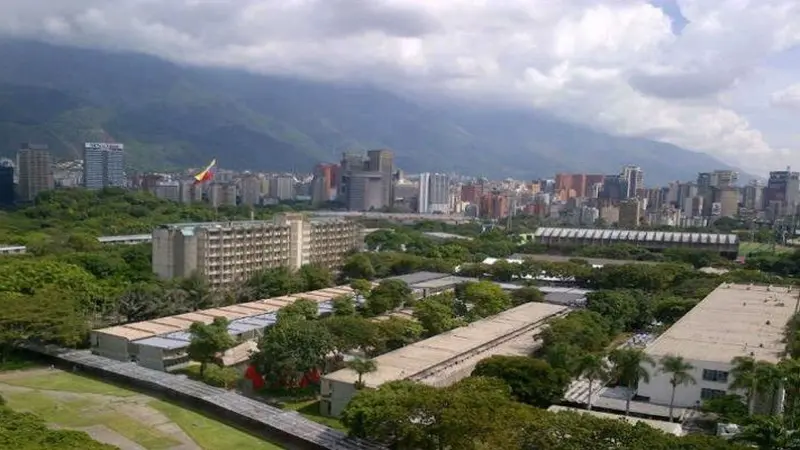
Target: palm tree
769 433
790 371
769 379
361 367
628 369
593 367
678 369
744 378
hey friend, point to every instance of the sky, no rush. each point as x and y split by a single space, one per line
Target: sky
717 76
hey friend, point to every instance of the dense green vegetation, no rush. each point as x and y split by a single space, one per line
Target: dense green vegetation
25 431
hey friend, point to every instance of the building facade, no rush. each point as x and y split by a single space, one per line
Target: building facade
230 252
35 164
7 191
103 165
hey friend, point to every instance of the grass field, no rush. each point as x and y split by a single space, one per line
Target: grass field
755 247
119 416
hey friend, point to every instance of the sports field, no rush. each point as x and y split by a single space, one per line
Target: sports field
117 416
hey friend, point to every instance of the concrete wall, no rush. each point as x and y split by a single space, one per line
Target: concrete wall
151 357
335 396
659 388
110 346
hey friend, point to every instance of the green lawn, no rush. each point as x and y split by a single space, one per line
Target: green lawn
755 247
310 410
210 434
53 399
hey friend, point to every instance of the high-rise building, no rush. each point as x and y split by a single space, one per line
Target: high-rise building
35 164
630 213
324 185
168 190
423 201
250 185
439 193
634 177
7 194
753 196
728 199
615 188
493 206
718 178
382 161
282 187
103 165
783 192
231 252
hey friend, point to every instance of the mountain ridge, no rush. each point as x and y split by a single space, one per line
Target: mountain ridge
169 115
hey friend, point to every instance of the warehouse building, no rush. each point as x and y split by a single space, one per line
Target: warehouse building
446 358
725 244
230 252
733 320
161 344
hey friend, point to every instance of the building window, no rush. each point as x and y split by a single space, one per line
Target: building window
707 394
718 376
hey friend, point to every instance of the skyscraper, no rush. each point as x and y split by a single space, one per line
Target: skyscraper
382 161
35 164
103 165
423 200
634 177
439 193
6 183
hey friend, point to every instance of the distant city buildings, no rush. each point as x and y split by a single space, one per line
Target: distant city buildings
103 165
7 189
35 164
366 181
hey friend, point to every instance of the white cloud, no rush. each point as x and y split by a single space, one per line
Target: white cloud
612 64
788 97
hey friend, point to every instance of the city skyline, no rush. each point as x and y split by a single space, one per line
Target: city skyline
713 76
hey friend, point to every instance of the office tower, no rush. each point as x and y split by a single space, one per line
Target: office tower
718 179
250 185
35 164
783 192
7 194
423 200
226 253
323 188
753 196
630 213
615 188
439 193
634 177
493 205
728 200
103 165
282 187
168 190
382 161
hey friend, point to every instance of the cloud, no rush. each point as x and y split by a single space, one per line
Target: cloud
617 65
787 98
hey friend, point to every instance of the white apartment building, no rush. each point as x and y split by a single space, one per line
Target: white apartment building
734 320
229 252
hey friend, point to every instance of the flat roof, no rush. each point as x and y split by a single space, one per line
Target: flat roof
236 313
438 283
667 427
637 236
420 356
733 320
419 277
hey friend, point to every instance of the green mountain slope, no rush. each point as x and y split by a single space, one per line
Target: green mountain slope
175 116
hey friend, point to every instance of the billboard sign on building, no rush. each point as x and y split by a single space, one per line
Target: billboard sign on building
716 209
103 146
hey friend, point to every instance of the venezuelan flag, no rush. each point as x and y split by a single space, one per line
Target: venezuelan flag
206 174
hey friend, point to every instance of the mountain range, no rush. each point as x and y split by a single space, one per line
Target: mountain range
171 116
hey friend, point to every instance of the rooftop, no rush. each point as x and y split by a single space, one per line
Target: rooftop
733 320
418 357
171 332
419 277
637 236
667 427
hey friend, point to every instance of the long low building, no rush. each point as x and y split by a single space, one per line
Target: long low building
446 358
733 320
161 344
724 244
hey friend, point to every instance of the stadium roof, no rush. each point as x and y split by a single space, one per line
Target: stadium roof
733 320
636 236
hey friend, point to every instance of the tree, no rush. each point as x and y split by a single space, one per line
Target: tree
593 367
628 369
291 348
142 301
618 306
358 266
344 305
769 433
199 294
484 299
352 333
315 277
395 333
362 366
435 316
532 381
528 294
275 282
302 308
361 287
679 371
26 431
208 340
388 295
